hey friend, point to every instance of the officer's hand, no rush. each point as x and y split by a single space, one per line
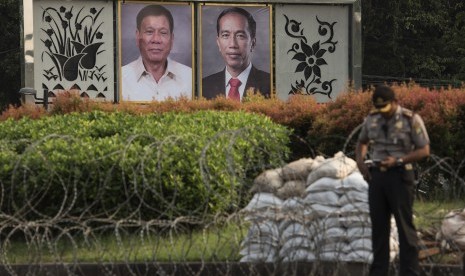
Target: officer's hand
364 171
389 162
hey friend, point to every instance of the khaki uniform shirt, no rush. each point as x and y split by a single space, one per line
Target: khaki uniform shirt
396 136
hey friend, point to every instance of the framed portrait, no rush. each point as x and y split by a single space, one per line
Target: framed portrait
156 50
235 42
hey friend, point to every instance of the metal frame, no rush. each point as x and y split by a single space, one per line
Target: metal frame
355 56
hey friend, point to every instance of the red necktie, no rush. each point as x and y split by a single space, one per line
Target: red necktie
234 89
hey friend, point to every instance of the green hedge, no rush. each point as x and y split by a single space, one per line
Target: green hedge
117 165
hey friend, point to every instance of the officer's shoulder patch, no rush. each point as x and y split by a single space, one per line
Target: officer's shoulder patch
407 112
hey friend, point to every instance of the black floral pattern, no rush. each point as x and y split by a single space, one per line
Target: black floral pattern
311 57
72 43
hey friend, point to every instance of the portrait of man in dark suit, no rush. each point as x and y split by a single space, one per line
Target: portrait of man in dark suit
236 41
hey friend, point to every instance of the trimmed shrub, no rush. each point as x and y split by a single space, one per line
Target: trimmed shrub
117 165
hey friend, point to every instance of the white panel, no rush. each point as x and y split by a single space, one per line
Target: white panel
312 50
73 47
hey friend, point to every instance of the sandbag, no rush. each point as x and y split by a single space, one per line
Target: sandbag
359 232
365 256
292 188
262 201
354 208
264 227
299 255
321 210
361 244
268 181
353 181
453 228
294 229
324 184
353 196
360 220
293 205
297 170
259 257
335 247
331 235
338 167
327 198
258 248
296 243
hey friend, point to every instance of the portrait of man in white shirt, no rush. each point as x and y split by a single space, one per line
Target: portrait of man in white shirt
154 75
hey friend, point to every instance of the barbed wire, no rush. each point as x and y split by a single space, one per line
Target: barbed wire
120 239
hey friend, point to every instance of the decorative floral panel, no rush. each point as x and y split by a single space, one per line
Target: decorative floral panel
312 50
74 48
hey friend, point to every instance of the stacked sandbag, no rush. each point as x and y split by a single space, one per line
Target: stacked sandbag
262 241
330 239
320 210
453 228
355 217
337 167
296 242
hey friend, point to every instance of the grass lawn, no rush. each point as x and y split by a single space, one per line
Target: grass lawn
215 243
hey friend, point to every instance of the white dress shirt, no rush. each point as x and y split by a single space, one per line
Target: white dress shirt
242 77
139 84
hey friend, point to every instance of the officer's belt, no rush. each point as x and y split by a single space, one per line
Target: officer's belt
406 166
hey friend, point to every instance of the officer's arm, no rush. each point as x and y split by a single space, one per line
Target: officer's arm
360 153
417 154
421 141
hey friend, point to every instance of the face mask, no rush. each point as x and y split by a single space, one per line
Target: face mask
385 109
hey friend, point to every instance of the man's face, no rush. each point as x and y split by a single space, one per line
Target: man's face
234 42
154 39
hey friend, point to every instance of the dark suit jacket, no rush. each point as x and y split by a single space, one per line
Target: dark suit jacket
213 85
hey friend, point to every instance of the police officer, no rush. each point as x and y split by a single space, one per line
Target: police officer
396 137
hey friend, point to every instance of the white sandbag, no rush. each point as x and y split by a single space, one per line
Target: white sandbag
322 224
299 255
294 229
394 248
331 235
359 232
260 215
453 228
263 229
293 205
365 256
322 210
354 208
317 162
327 198
353 181
335 247
262 240
352 197
268 181
258 257
324 184
394 244
360 220
339 167
262 201
331 256
296 243
258 248
361 244
297 170
292 188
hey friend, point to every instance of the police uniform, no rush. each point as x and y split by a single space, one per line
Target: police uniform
391 190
